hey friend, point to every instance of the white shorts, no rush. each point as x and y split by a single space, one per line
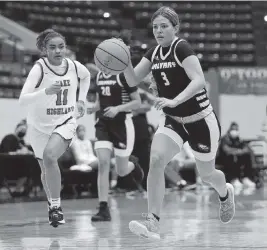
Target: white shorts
39 140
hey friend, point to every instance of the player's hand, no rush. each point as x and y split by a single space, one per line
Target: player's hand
161 103
53 89
80 109
111 112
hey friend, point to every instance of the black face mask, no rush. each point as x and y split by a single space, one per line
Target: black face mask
21 134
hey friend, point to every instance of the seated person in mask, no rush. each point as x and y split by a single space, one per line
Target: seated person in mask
14 143
233 154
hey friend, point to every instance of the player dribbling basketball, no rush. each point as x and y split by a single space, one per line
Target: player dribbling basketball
189 116
50 95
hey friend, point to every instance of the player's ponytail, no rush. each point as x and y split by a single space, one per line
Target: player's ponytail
44 37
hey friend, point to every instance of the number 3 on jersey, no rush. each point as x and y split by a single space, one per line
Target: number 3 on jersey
105 90
164 77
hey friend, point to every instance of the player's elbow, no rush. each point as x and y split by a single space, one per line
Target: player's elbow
200 82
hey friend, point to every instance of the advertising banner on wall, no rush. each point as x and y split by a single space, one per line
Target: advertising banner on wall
242 97
242 80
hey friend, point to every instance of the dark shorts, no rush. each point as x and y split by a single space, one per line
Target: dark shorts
203 136
117 133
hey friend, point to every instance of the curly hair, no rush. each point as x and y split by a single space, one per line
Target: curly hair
45 36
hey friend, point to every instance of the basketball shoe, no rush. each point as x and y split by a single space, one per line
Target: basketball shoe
103 213
148 228
227 207
55 216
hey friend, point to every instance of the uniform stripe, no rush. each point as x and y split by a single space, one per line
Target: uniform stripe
42 75
130 138
213 136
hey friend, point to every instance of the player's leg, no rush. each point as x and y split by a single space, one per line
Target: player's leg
38 141
58 143
165 145
103 148
43 180
55 147
103 152
204 146
123 136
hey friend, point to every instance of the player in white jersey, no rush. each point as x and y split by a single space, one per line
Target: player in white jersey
188 116
50 95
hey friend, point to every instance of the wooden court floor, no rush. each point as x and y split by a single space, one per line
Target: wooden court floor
189 222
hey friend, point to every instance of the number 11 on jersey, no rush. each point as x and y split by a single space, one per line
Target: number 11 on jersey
59 100
164 77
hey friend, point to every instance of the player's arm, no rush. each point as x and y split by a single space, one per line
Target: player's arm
28 94
145 105
85 79
135 75
193 69
133 93
94 106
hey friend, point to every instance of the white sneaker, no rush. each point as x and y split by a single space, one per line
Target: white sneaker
148 228
227 207
247 182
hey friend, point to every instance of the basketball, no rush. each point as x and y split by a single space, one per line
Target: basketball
112 56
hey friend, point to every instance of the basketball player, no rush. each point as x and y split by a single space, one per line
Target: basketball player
50 94
114 128
189 116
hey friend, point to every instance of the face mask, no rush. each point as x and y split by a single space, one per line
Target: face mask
234 133
21 134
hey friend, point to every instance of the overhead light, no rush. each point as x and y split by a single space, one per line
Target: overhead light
144 46
106 15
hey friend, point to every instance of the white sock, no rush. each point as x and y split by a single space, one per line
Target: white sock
55 202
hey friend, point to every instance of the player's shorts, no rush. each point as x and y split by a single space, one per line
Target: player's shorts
203 135
39 140
117 133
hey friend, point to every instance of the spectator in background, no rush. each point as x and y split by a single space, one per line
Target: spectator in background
83 152
14 144
233 155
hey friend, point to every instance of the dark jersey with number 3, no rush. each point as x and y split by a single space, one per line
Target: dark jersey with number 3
113 90
171 78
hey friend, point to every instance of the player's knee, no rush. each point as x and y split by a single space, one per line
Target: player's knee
121 171
156 160
49 157
103 165
206 177
209 177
